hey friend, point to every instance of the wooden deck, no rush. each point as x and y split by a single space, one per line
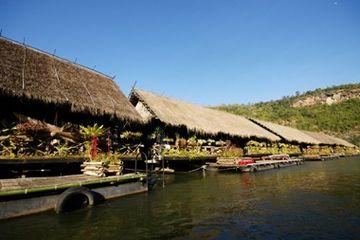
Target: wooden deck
270 164
253 167
19 186
200 158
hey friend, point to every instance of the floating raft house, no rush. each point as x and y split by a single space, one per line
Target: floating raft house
288 134
45 87
195 118
300 136
37 83
329 140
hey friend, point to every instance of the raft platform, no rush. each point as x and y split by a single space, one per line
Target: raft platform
325 158
260 165
24 196
270 164
172 164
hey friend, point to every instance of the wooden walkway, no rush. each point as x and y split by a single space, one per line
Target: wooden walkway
19 186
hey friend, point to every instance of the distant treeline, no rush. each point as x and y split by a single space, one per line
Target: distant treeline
341 119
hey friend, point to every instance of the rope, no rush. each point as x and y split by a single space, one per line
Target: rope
194 170
197 169
133 169
207 169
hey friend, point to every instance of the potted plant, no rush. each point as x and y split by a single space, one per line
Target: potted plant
97 164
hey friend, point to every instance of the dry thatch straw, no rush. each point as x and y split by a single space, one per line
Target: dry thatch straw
33 74
287 133
194 117
327 139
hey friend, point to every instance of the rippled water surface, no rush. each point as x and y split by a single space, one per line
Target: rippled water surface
318 200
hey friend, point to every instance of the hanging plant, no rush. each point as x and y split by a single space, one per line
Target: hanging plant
157 135
210 141
168 140
180 142
192 141
201 142
220 143
131 135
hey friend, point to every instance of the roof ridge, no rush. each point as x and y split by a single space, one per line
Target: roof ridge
47 74
264 123
56 56
225 123
189 103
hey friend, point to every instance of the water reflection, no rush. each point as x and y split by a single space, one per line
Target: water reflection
317 200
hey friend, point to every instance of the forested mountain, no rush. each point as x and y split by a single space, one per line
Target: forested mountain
334 110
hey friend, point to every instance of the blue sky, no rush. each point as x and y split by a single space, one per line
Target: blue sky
206 52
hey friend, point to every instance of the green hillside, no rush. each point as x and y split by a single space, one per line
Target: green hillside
312 111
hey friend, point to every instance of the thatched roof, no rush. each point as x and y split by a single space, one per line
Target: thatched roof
196 118
327 139
33 74
287 133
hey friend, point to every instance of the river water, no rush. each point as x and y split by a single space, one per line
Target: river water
317 200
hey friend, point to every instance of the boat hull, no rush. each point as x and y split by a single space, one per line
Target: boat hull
25 206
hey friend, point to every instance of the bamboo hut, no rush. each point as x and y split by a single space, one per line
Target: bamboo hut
287 133
200 132
50 88
44 99
195 118
331 145
329 140
313 144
